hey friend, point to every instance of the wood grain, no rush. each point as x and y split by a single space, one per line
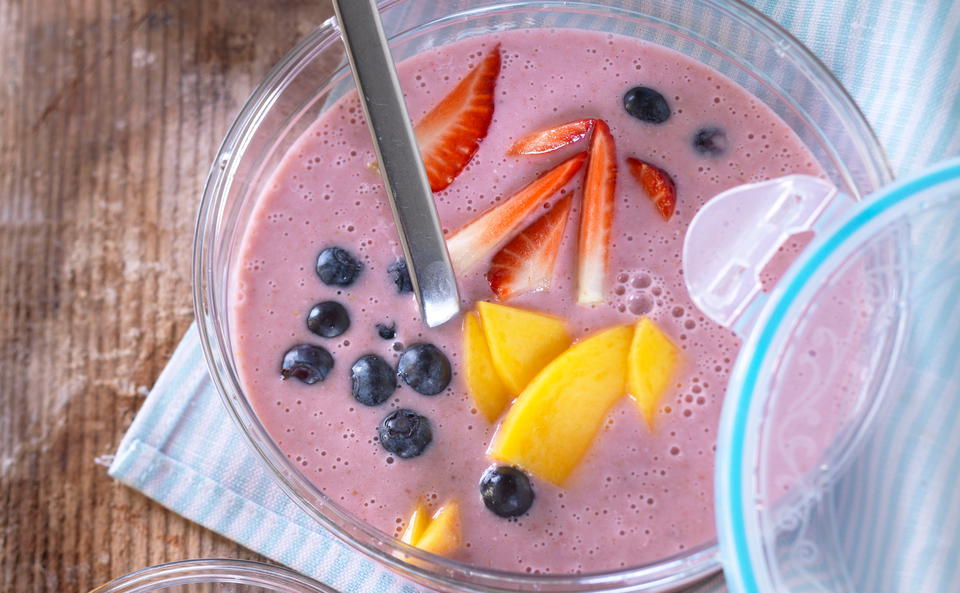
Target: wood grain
110 114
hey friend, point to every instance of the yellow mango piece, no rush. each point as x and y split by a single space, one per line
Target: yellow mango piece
419 519
442 535
554 421
521 342
651 366
486 388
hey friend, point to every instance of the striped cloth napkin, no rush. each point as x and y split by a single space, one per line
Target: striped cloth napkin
899 58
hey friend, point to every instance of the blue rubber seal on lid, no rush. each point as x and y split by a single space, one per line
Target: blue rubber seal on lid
730 503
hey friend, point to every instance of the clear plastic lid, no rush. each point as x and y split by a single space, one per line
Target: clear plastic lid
214 576
838 462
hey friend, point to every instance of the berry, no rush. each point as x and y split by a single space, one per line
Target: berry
657 184
337 267
646 104
596 216
372 380
506 491
710 141
451 132
328 319
306 362
526 263
425 369
488 232
553 139
405 433
400 276
387 332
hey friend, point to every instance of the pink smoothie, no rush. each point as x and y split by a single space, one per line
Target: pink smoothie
638 496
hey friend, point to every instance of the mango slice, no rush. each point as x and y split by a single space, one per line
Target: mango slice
521 342
417 524
486 388
439 534
651 366
442 535
552 424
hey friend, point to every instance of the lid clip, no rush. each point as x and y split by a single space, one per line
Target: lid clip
736 234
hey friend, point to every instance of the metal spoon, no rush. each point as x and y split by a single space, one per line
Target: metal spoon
402 169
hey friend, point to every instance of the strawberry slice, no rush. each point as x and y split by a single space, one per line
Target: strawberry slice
451 133
657 184
490 230
553 139
526 263
593 248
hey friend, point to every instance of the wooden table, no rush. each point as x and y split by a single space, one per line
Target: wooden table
110 114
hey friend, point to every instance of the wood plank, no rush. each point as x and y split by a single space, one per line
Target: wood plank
110 114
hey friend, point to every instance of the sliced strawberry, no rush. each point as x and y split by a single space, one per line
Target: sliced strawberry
526 263
490 230
593 248
553 139
451 133
657 184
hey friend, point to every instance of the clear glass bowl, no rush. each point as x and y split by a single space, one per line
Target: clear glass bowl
728 36
214 576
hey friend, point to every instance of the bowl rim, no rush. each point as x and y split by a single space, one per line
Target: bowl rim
689 566
213 570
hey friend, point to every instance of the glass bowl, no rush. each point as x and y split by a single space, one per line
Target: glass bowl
214 576
727 36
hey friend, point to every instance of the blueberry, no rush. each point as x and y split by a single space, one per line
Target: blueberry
336 267
307 363
372 380
424 368
328 319
710 141
506 491
405 433
646 104
400 276
387 332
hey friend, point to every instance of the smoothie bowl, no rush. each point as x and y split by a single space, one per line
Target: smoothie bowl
560 434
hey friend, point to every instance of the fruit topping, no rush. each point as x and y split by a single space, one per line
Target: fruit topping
506 491
307 363
710 141
439 534
425 368
400 276
372 380
416 524
451 132
405 433
651 366
328 319
646 104
487 233
553 422
521 342
556 138
337 267
488 391
387 331
526 263
657 184
596 216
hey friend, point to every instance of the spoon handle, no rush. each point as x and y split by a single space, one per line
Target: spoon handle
401 166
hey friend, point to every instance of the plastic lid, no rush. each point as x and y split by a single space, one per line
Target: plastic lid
838 461
214 576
